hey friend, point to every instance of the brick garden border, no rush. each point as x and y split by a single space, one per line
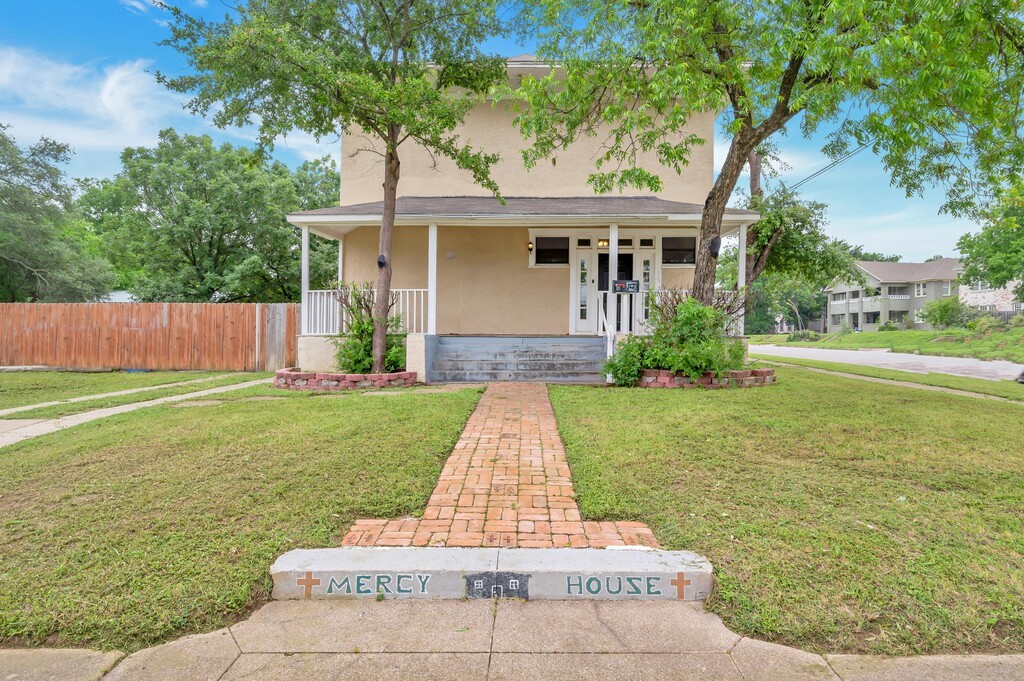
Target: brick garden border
296 379
747 378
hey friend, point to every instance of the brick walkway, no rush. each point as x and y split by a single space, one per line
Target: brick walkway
507 483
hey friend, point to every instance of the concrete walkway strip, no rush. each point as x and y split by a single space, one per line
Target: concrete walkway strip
118 393
53 425
51 664
481 573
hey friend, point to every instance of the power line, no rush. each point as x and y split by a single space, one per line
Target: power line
838 162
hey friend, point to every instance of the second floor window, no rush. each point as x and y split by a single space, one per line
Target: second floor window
980 286
920 290
838 296
945 288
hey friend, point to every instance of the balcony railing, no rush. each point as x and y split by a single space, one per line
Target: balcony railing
321 313
899 296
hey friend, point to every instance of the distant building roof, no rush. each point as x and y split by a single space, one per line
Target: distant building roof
941 269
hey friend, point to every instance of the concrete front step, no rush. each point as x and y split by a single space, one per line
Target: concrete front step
521 365
624 573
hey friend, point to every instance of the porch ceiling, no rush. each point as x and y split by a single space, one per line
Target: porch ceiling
485 211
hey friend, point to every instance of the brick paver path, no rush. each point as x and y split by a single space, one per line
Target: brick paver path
507 483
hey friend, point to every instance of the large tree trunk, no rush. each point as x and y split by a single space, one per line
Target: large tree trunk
711 218
382 302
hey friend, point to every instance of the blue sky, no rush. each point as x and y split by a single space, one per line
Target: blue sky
80 71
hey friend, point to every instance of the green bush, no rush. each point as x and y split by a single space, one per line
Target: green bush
1017 321
690 338
949 312
354 348
986 324
889 326
803 336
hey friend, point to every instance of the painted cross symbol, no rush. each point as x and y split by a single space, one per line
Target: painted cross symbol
680 583
309 581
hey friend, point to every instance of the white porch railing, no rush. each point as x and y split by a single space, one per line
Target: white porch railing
321 312
898 296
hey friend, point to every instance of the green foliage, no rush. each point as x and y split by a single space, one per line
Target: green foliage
889 326
858 253
986 324
949 312
1017 321
188 221
47 252
627 364
996 253
803 336
689 338
354 347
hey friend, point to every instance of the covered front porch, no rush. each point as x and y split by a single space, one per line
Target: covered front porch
469 266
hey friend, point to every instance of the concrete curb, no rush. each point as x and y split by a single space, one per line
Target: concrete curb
619 573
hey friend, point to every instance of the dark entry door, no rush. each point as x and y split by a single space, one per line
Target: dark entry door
623 314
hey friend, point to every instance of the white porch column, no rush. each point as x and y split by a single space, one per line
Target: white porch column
304 307
341 258
613 274
432 279
741 274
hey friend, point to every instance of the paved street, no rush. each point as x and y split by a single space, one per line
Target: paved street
921 364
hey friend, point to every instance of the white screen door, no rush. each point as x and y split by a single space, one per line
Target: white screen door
584 274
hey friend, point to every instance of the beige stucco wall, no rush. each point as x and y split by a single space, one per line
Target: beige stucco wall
484 282
316 353
677 277
490 127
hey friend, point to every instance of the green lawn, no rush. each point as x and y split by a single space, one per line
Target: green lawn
22 388
1011 390
68 408
142 527
838 516
1008 345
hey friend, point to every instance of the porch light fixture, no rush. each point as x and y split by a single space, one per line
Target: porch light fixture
529 247
602 243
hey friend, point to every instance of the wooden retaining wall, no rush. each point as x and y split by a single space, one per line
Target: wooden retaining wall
169 336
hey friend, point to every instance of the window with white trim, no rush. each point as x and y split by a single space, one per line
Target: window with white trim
919 316
551 250
946 287
838 297
1017 307
678 250
980 286
921 289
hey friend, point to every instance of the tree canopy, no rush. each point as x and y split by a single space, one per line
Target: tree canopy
933 88
47 253
189 221
397 69
996 253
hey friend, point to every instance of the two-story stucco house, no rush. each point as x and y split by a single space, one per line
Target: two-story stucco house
894 292
522 290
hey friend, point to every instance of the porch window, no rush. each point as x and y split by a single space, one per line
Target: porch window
646 243
678 250
552 250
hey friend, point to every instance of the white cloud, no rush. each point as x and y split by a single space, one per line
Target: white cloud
88 106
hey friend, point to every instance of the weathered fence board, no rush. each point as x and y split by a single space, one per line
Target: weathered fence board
202 336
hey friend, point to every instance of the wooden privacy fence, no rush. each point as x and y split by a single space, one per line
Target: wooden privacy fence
199 336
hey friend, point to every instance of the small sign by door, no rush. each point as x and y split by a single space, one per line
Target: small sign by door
626 286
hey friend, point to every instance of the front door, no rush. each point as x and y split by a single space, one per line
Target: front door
604 285
584 288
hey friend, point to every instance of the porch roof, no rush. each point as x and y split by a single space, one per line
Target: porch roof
582 211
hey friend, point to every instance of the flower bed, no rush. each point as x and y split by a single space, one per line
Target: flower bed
747 378
296 379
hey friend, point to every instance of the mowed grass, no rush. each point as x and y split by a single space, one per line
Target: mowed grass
840 517
142 527
1010 390
1008 345
69 408
21 388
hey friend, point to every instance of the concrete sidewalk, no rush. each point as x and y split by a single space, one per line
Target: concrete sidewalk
291 640
28 428
920 364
